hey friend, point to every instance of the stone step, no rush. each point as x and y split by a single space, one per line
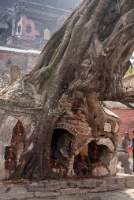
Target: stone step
84 185
71 189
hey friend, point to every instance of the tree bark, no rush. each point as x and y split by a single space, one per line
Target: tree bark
89 54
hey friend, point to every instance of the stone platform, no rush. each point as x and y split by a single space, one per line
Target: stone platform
83 188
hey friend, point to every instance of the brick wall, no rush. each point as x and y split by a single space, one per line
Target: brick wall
127 121
25 59
14 42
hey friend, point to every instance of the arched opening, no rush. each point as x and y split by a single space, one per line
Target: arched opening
12 152
94 156
95 152
61 150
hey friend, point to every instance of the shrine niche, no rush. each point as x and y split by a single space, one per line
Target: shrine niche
61 148
95 151
18 133
90 158
13 152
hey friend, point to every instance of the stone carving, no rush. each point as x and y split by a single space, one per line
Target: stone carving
15 73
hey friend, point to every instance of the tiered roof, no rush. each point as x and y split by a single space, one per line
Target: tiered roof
50 9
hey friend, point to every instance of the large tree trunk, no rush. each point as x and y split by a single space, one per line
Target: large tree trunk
89 54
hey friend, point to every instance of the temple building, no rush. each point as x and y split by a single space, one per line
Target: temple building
30 23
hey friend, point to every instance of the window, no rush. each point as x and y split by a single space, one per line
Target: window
19 28
28 28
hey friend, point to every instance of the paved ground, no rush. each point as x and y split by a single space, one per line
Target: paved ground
19 194
127 194
115 195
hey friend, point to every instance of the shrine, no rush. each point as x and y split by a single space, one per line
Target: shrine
74 150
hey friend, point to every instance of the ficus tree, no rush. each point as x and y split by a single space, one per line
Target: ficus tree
89 54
